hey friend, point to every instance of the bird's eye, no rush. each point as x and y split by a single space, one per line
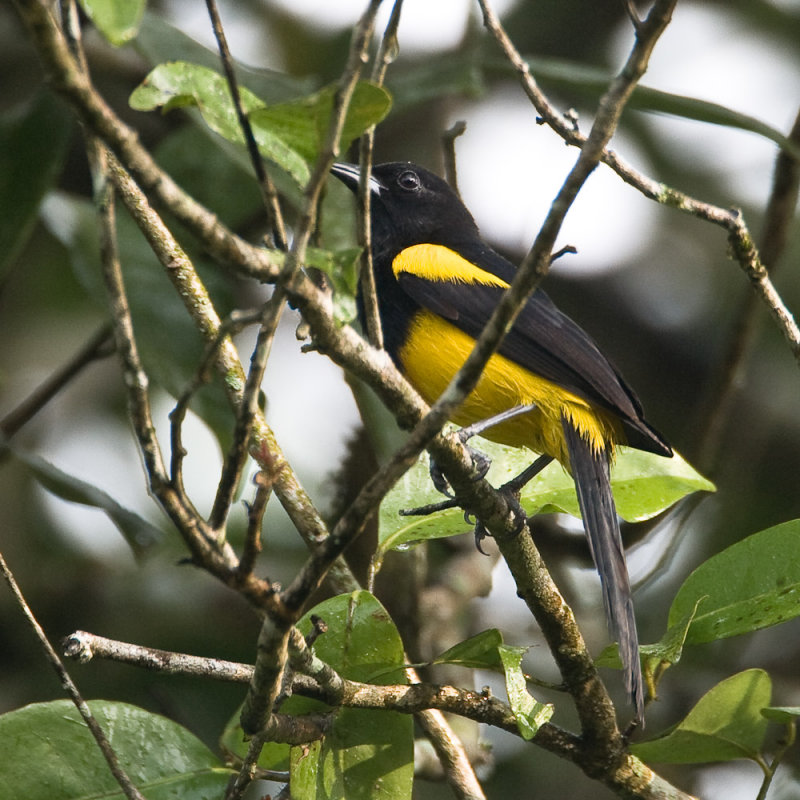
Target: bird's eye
408 180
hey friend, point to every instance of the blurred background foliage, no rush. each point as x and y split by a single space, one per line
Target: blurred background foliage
654 286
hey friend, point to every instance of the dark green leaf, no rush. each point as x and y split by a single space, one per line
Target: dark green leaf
753 584
158 42
447 75
528 711
170 345
117 20
32 148
724 725
49 754
214 172
644 485
140 535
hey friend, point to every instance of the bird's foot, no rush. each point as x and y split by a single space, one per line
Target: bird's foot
481 532
480 461
480 466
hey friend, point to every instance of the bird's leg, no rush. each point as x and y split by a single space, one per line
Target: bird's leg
516 484
510 490
480 461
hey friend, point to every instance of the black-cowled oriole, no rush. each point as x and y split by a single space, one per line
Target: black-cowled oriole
437 283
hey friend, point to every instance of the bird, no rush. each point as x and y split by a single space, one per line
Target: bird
437 282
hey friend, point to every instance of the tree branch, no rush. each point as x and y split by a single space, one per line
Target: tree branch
631 778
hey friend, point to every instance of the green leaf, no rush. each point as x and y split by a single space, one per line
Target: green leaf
341 267
179 84
753 584
644 485
304 123
366 753
486 650
33 144
528 711
117 20
478 652
362 642
783 714
725 724
289 134
49 754
140 535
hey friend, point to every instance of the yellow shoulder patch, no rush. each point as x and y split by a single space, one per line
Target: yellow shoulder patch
435 262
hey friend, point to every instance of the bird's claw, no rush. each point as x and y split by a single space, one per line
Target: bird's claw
481 532
480 466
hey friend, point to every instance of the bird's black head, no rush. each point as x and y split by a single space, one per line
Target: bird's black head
411 205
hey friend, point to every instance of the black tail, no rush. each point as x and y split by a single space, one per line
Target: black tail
593 484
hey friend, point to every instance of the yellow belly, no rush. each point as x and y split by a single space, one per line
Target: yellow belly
434 351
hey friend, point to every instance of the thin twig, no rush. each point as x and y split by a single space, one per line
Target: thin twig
99 345
450 751
234 323
83 647
246 413
788 740
120 776
255 518
387 52
449 137
268 193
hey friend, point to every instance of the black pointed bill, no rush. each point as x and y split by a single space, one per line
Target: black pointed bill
350 176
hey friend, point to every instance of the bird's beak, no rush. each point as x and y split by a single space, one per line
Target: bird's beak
350 176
